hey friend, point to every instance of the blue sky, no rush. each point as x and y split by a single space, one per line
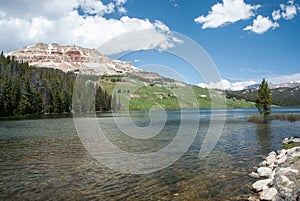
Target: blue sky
246 39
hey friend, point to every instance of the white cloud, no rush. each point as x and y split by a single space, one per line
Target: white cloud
226 85
229 11
96 7
37 24
276 15
288 11
261 25
284 78
27 9
121 9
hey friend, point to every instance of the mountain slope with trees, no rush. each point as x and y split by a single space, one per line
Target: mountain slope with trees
26 89
280 96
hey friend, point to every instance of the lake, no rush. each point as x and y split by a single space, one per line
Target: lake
45 159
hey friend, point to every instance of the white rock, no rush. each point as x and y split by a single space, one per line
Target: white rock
254 175
285 181
272 174
268 194
271 159
263 163
282 159
287 190
296 155
293 150
265 188
282 153
264 171
285 171
259 185
252 198
272 153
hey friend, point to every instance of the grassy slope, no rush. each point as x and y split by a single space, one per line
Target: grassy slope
142 96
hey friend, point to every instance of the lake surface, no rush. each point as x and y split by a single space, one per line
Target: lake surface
44 159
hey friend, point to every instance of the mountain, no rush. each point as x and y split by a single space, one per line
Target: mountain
282 95
72 58
275 86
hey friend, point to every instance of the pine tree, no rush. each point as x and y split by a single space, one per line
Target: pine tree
263 99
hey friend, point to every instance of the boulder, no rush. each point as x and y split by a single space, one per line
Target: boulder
264 171
290 140
254 175
285 181
282 159
281 153
271 159
268 194
263 163
287 171
261 184
253 198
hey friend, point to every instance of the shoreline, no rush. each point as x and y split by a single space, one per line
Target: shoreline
278 175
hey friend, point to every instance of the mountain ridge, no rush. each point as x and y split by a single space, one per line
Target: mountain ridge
72 58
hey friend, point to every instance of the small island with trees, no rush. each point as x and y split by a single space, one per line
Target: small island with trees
263 104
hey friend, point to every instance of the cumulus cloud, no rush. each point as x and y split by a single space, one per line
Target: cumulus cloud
261 25
288 11
226 85
91 7
40 21
229 11
276 15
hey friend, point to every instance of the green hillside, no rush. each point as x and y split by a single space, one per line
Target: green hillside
169 94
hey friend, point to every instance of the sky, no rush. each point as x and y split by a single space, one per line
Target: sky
246 40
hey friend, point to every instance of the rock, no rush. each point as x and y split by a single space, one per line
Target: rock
70 58
272 153
293 150
268 194
263 164
254 175
282 170
282 159
260 184
286 171
285 181
296 155
272 174
253 198
264 171
271 159
290 140
281 153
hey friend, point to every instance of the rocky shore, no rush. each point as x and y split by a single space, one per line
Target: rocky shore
279 174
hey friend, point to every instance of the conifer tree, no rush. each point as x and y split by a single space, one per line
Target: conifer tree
263 99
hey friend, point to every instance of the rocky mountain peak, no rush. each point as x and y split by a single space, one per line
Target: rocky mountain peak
72 58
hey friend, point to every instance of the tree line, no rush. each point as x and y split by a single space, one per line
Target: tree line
26 89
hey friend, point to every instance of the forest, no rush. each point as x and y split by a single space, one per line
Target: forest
26 89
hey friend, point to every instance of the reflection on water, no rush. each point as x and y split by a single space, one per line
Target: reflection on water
264 135
44 159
